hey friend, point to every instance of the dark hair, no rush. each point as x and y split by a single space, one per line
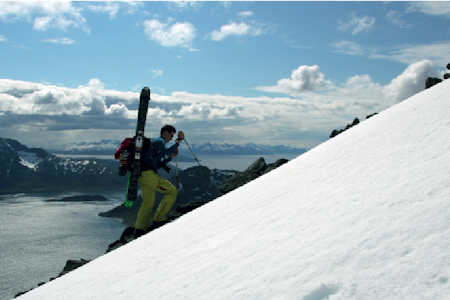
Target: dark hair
168 128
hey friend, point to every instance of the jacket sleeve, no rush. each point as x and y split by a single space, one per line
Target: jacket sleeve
171 149
160 146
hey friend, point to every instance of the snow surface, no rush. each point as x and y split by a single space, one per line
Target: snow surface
365 215
29 159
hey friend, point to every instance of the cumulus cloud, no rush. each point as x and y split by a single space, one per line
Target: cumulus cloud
357 25
234 29
92 111
206 111
411 81
303 79
178 34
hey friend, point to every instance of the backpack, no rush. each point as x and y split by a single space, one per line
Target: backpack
126 152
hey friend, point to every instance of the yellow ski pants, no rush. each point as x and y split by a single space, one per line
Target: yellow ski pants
151 182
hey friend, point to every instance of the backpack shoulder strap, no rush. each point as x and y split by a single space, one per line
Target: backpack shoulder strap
154 152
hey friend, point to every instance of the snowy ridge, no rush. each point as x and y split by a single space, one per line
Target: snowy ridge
109 146
364 215
29 159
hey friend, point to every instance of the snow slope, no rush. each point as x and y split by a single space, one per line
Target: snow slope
365 215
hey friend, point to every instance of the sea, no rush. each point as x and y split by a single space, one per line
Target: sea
37 237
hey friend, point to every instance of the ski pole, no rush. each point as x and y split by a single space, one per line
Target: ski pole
177 174
209 179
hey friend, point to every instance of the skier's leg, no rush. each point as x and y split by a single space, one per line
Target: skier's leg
147 181
171 193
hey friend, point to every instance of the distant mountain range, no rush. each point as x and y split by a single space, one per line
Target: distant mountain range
24 169
108 147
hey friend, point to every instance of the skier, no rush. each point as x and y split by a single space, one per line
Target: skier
151 181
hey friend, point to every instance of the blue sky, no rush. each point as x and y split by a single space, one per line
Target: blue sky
236 72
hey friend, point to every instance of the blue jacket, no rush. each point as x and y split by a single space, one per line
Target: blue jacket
160 148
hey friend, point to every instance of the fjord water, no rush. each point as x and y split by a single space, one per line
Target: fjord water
38 237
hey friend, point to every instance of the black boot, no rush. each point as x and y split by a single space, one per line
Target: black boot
139 233
156 225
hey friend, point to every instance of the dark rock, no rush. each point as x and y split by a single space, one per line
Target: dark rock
257 169
432 81
354 123
371 115
448 66
275 165
72 265
446 75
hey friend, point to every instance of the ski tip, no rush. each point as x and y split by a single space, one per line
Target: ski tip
145 92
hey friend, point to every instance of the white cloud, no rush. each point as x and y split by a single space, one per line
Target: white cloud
394 17
63 41
348 47
357 25
408 54
157 73
411 81
434 8
204 111
111 8
2 38
311 117
47 15
245 14
303 79
184 5
235 29
179 34
230 29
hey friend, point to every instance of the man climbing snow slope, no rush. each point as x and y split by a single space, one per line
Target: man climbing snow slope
151 181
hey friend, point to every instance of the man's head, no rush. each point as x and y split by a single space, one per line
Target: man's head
167 132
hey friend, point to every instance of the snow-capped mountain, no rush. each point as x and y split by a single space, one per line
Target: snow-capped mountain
364 215
108 147
24 169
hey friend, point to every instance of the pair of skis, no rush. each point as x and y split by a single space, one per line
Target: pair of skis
132 186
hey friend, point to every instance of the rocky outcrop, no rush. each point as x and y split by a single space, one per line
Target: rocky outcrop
336 132
434 80
258 168
354 123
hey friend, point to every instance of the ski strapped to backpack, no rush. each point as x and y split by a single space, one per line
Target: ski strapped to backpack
135 164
